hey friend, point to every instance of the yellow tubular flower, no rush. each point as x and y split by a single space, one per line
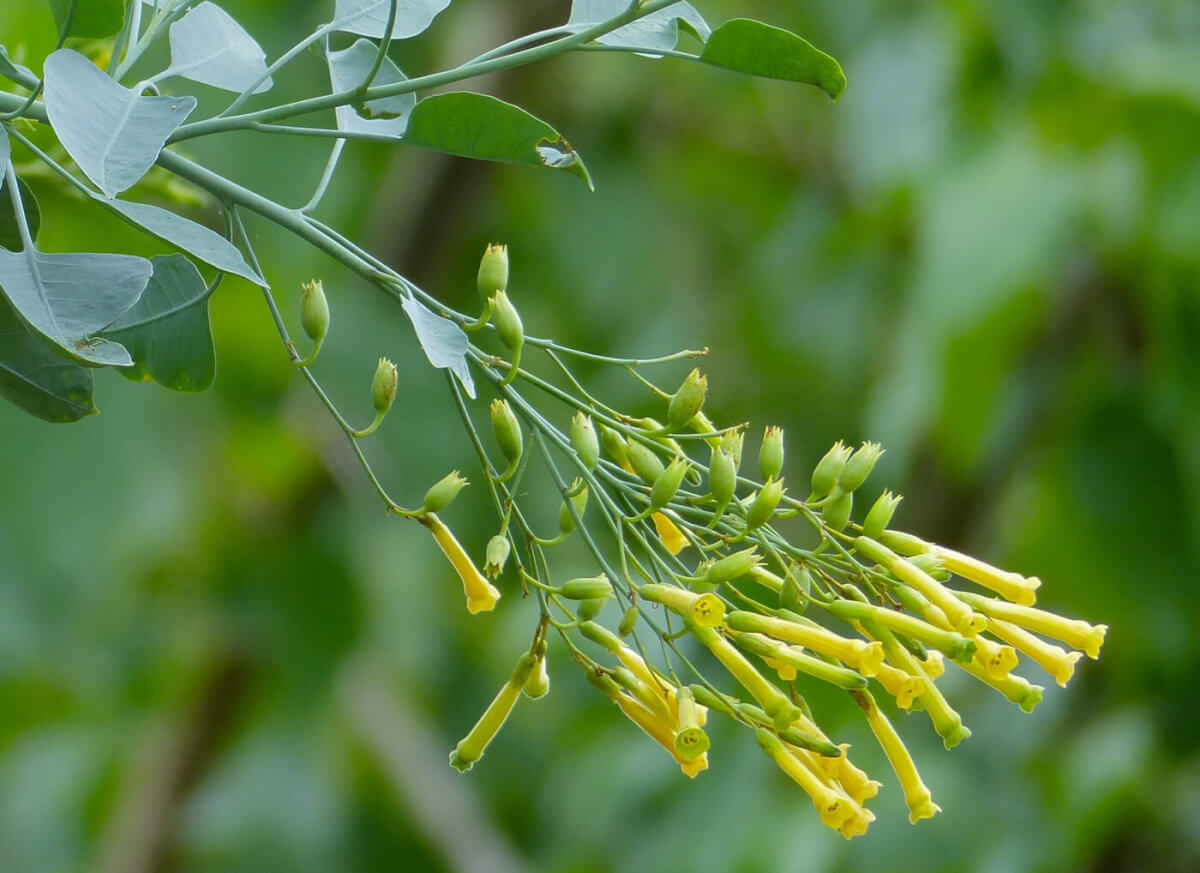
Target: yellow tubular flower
1011 586
835 809
786 671
773 701
854 779
960 615
1076 634
1017 689
471 747
1055 660
670 534
863 656
998 660
706 610
481 594
900 685
659 731
934 664
946 721
916 795
856 825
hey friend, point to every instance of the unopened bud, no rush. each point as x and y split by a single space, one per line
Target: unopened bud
614 444
765 502
600 635
731 441
931 564
859 466
537 684
508 322
493 270
770 453
383 385
796 587
645 461
507 430
829 468
687 400
314 310
668 482
589 609
439 496
732 566
628 621
880 514
496 555
578 500
584 440
722 476
836 512
587 589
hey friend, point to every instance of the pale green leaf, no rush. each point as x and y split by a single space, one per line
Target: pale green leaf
167 331
369 17
478 126
111 132
758 49
658 30
388 115
36 379
210 47
444 343
93 19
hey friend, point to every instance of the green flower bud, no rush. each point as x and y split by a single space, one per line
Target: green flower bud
493 270
496 555
508 322
439 496
578 500
615 445
770 453
383 386
687 400
880 514
732 566
722 476
587 589
796 587
645 461
628 621
859 466
537 684
584 441
829 468
668 482
507 430
600 635
314 310
590 608
931 564
731 442
837 511
765 503
904 544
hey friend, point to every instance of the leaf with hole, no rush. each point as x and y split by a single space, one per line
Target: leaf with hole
758 49
36 379
111 132
388 115
444 343
167 331
69 298
369 17
658 30
92 19
208 46
478 126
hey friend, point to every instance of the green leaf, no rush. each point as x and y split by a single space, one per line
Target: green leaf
36 379
193 238
12 70
112 132
758 49
478 126
69 298
10 235
444 343
658 30
93 19
210 47
167 331
369 17
388 115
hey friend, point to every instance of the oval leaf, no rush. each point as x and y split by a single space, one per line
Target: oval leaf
113 134
210 47
658 30
195 239
388 115
758 49
444 343
167 331
69 298
37 380
10 234
92 19
369 17
478 126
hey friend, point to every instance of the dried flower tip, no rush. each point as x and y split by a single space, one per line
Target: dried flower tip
706 610
732 566
829 468
859 466
445 490
764 503
880 514
383 386
584 440
314 310
471 747
481 594
686 401
770 453
1011 586
493 270
496 555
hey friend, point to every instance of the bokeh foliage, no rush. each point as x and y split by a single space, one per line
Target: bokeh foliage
984 255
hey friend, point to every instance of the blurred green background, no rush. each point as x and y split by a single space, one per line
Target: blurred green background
218 654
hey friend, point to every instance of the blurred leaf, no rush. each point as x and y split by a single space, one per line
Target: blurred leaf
658 30
444 343
42 383
758 49
210 47
478 126
10 234
369 17
112 132
70 297
348 69
167 331
92 19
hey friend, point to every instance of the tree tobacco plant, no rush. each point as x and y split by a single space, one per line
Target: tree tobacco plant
705 599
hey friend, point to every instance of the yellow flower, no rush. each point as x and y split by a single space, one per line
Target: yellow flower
481 594
1055 660
916 795
770 698
706 610
946 721
471 747
998 660
1011 586
900 685
934 664
835 809
1015 688
1076 634
670 534
960 615
863 656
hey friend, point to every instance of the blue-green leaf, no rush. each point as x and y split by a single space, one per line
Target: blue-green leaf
388 115
758 49
111 132
658 30
369 17
36 379
444 343
478 126
167 331
10 234
193 238
210 47
93 19
69 298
